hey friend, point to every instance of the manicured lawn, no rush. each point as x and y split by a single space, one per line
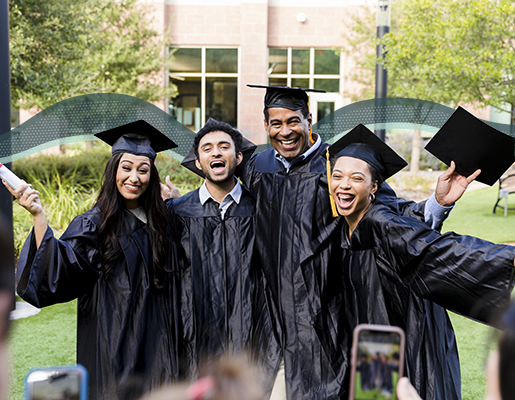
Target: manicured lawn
45 339
49 338
473 215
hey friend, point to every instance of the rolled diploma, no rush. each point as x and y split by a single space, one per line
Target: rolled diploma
8 176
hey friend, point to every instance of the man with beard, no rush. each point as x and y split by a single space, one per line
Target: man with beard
295 238
223 304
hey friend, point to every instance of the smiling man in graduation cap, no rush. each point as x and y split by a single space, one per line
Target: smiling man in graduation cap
223 307
115 259
296 239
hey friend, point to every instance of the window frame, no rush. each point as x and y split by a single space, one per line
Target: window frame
203 75
311 76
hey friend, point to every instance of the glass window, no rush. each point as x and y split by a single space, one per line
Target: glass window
222 60
222 99
277 61
327 62
300 82
300 61
324 108
307 68
186 60
329 85
185 108
278 82
207 82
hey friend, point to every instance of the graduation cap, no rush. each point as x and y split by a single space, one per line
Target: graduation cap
286 97
472 145
138 137
247 149
363 144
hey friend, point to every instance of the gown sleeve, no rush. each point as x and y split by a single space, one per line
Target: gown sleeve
428 211
470 276
59 270
249 175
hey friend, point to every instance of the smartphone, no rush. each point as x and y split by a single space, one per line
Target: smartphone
57 383
377 362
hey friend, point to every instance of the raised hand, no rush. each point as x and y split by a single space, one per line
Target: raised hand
169 191
451 185
27 197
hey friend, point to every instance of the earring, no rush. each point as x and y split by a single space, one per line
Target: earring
372 197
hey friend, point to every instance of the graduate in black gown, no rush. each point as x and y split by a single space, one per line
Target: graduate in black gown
296 238
116 260
397 271
223 295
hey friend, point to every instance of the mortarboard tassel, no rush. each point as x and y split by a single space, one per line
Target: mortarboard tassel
310 132
331 200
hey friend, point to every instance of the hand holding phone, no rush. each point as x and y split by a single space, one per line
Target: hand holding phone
377 361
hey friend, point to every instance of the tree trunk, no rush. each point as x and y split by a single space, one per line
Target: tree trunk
415 151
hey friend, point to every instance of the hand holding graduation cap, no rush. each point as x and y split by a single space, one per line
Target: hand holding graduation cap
451 185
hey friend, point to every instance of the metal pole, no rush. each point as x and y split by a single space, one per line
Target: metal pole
6 204
383 27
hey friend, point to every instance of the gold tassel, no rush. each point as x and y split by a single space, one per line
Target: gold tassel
331 200
310 133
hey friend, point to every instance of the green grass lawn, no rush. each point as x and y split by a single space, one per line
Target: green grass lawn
45 339
48 338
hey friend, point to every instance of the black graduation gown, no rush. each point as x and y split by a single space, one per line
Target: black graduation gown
126 335
394 271
224 305
294 242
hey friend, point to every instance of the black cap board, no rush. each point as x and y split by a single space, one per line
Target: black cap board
138 137
473 144
363 144
247 149
286 97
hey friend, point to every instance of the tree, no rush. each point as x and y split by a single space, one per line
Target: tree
445 51
453 51
65 48
127 55
47 40
360 48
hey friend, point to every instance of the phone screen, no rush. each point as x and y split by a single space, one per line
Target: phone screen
59 383
378 364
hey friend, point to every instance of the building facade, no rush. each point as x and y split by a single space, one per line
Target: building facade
221 46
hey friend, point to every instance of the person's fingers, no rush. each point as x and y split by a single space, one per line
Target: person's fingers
26 194
10 189
452 167
448 172
405 391
470 178
18 191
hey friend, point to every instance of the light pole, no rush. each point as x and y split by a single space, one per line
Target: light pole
383 27
6 204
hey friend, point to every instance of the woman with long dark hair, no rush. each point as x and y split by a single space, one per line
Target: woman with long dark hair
115 259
